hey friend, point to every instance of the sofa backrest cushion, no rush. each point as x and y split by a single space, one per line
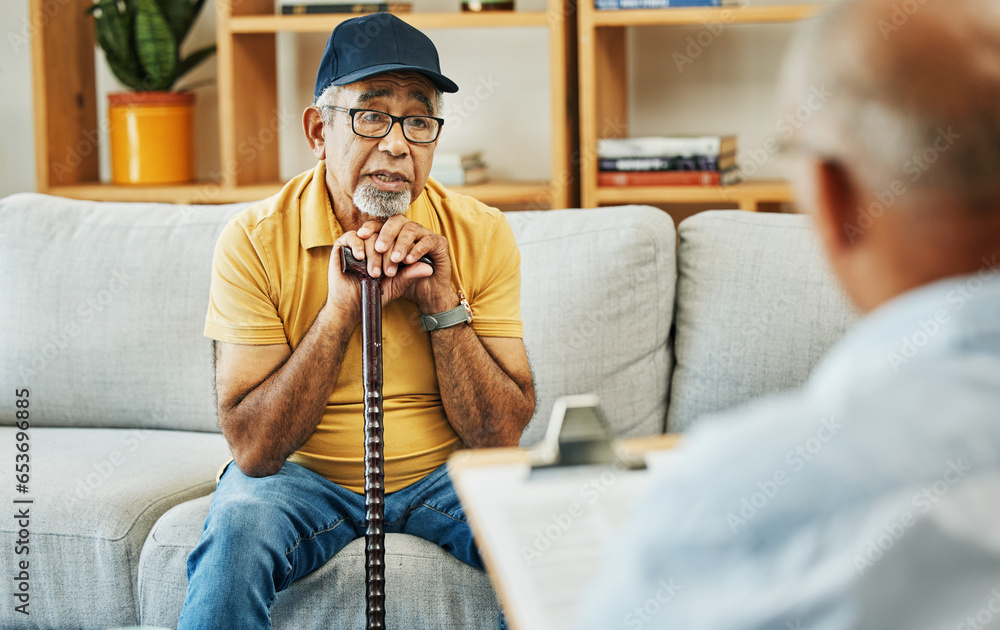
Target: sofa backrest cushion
108 302
597 302
757 307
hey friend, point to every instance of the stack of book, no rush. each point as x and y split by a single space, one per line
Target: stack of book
459 169
316 7
667 161
612 5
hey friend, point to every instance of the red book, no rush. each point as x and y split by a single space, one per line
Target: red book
658 178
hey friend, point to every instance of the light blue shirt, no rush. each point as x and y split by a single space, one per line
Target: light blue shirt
868 499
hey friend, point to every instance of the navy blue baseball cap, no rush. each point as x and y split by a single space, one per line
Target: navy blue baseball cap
372 44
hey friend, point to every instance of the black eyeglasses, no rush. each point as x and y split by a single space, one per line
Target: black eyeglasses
371 123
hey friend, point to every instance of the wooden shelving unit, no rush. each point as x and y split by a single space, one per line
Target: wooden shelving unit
604 99
66 107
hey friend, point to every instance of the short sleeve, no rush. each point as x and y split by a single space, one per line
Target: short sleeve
496 300
240 308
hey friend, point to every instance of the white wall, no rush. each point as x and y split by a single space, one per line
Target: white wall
679 86
17 133
728 88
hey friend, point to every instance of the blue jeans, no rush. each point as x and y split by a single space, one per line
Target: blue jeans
261 534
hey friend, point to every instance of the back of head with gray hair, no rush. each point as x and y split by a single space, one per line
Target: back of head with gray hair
913 95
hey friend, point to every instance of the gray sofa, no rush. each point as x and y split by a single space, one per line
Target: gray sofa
101 318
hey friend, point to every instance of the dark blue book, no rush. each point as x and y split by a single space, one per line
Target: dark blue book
666 163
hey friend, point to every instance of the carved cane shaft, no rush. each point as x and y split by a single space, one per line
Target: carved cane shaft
371 327
371 360
371 365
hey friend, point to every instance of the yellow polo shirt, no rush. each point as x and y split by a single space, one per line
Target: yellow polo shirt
269 281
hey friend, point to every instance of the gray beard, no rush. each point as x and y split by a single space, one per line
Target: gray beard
381 204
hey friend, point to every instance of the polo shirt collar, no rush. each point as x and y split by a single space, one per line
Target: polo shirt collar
319 228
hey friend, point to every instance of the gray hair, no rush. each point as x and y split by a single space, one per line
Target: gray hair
329 98
902 111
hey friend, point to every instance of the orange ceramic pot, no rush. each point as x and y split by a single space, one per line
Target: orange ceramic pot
152 137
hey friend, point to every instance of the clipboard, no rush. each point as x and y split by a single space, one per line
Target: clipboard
543 517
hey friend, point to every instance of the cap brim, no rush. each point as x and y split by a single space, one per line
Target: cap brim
442 82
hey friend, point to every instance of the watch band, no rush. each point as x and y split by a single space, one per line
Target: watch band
461 314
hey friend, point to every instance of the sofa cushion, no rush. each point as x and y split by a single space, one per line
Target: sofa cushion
96 494
757 307
425 586
109 301
597 302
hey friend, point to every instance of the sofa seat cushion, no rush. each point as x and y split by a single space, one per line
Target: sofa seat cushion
425 586
96 493
597 299
757 307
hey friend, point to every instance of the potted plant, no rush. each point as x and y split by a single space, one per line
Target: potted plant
152 127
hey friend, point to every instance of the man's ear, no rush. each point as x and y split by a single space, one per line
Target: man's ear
312 125
837 198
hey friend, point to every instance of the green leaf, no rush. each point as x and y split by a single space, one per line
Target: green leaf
192 60
155 44
113 29
178 15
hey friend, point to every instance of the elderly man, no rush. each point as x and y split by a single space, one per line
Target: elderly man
894 522
286 324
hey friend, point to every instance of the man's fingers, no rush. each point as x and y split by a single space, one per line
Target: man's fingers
369 228
374 258
390 230
428 243
405 240
353 242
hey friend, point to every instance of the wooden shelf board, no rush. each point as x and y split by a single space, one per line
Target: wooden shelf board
326 23
752 191
194 193
508 192
701 16
212 192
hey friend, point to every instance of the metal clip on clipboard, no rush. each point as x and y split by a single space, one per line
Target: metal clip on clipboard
578 435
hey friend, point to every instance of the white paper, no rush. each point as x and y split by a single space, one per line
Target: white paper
545 534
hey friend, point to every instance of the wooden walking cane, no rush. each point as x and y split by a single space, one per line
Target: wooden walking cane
371 366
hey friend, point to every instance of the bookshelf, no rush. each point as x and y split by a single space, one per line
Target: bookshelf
66 108
603 84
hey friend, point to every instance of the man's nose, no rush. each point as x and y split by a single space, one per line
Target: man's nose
394 143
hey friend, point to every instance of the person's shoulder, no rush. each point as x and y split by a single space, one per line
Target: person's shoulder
271 213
